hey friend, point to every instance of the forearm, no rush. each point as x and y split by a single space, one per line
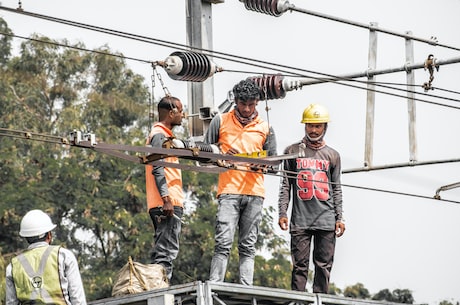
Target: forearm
284 197
212 134
160 180
270 143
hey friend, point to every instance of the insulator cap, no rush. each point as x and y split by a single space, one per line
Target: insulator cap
189 66
270 7
271 86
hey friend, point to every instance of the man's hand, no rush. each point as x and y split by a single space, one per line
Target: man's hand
232 151
339 228
283 222
168 208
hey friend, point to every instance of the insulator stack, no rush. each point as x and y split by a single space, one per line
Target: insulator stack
271 86
188 144
270 7
189 66
207 147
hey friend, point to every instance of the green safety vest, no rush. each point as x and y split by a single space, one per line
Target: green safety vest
36 276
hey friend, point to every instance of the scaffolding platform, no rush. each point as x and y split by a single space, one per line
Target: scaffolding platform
212 293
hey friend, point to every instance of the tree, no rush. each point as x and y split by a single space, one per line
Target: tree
357 291
446 302
383 295
397 296
96 200
334 290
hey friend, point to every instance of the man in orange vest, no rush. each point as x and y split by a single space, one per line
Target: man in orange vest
165 196
43 274
240 193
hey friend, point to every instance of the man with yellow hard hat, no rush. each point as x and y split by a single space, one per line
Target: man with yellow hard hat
43 274
316 216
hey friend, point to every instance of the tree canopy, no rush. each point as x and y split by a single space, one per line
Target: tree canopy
96 200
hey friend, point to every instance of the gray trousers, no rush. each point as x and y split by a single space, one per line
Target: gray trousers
166 238
242 212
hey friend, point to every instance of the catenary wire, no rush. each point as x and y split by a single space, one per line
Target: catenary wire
331 79
278 172
187 47
213 53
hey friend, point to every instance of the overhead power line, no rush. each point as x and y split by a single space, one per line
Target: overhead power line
314 80
114 152
278 7
242 60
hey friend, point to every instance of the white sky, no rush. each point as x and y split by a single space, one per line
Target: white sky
392 241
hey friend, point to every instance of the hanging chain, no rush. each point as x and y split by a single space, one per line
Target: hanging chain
152 97
267 108
156 74
165 89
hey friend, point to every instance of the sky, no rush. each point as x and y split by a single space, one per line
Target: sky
392 241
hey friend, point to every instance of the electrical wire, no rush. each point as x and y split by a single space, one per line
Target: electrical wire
331 79
290 174
75 47
221 55
233 58
274 172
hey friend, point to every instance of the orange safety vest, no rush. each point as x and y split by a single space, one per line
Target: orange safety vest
247 139
173 176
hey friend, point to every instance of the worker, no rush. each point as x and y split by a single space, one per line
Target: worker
43 274
316 191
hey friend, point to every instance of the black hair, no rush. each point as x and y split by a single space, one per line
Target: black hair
246 90
168 102
36 239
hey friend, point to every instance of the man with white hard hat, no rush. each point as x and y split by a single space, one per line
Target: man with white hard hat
43 274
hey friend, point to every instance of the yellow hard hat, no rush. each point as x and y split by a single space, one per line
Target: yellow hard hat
315 113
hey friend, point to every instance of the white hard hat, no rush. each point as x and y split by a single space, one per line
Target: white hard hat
35 223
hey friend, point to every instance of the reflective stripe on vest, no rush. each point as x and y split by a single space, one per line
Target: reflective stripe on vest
36 276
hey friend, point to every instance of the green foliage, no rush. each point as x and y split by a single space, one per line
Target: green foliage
446 302
357 291
97 201
197 236
397 296
274 272
5 42
334 290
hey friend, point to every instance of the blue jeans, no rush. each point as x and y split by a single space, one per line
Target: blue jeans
166 238
244 212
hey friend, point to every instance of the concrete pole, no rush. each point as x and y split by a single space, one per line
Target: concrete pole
199 36
410 99
370 108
